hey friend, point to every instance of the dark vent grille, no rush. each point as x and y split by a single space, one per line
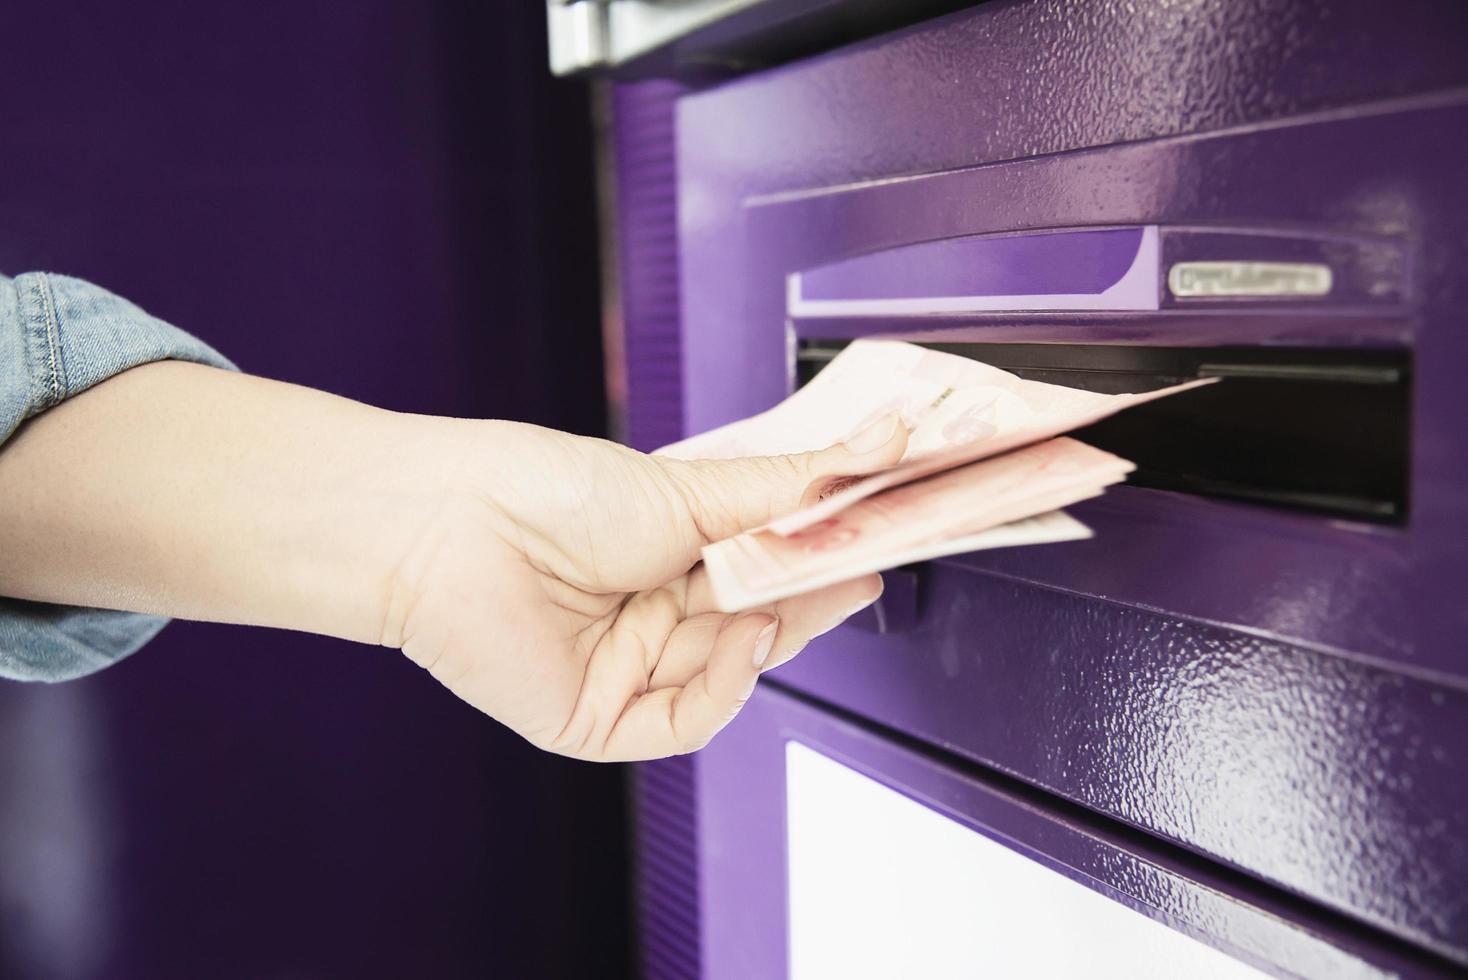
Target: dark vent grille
647 247
667 869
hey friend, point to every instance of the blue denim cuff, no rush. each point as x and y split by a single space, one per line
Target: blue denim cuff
40 641
60 336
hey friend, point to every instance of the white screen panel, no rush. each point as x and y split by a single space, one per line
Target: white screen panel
884 887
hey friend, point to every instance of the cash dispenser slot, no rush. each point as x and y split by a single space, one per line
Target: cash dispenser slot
1312 429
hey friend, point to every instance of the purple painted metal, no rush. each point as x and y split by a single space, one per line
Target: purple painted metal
1381 613
1339 782
1043 264
1370 272
1014 80
1284 694
742 796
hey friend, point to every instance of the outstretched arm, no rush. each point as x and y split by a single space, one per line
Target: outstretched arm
548 579
188 491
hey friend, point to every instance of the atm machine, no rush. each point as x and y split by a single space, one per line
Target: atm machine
1229 735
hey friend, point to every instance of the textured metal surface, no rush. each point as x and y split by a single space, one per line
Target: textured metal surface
742 806
1389 596
1338 781
1365 273
1018 79
1011 80
1284 694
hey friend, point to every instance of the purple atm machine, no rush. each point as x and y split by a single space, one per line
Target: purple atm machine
1229 735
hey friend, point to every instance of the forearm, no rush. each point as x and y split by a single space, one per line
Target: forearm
188 491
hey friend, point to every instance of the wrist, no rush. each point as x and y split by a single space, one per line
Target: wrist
390 480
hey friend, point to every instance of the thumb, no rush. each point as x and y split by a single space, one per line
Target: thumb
726 496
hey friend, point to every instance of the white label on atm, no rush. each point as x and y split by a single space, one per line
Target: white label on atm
1192 279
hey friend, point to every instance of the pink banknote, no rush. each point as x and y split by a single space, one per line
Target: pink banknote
957 409
921 519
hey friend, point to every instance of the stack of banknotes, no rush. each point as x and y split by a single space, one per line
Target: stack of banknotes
986 466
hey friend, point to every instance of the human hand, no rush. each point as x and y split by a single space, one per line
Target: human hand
547 579
554 586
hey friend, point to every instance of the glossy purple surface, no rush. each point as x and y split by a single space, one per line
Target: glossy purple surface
1371 272
1282 693
1340 782
744 871
1062 262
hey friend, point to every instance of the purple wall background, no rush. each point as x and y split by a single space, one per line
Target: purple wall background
394 204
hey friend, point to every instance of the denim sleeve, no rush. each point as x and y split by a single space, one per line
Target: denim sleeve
60 336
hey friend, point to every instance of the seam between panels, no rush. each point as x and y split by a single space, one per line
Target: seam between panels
50 324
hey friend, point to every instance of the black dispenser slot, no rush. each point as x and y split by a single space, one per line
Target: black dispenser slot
1322 430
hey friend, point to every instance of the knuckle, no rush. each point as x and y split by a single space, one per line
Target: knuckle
796 465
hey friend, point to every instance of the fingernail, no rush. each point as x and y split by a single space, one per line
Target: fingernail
851 612
764 643
881 586
874 436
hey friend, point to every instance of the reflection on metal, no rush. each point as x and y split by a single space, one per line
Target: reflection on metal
578 34
1111 269
605 33
1190 279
